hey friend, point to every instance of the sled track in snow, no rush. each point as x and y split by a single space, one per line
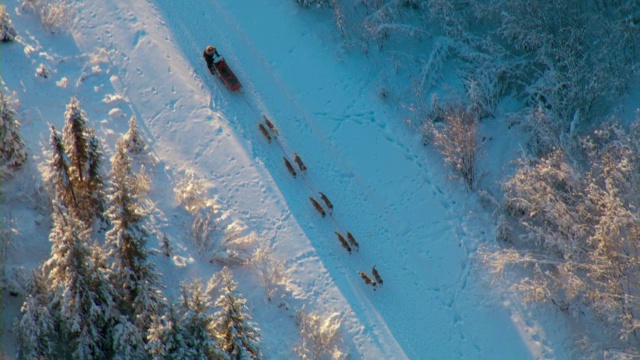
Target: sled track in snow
244 123
350 283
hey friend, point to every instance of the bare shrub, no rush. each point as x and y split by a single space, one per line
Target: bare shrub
271 271
223 239
202 229
319 336
55 15
143 182
455 139
236 243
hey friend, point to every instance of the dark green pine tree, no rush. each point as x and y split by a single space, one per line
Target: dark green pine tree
237 335
139 284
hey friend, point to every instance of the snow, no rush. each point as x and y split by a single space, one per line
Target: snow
420 229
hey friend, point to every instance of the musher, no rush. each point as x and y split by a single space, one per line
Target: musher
209 56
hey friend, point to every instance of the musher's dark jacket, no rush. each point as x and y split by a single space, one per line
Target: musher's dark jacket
209 58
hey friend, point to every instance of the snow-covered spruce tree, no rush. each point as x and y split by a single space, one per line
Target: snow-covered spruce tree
139 284
165 245
12 147
128 341
456 141
199 326
59 176
82 147
94 180
82 299
36 336
133 139
74 134
7 31
237 335
165 337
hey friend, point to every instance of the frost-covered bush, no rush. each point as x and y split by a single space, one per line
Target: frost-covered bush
576 227
55 15
213 230
319 336
317 3
191 193
7 31
236 243
272 272
203 229
455 139
580 54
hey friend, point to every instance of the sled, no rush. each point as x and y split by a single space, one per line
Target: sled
225 74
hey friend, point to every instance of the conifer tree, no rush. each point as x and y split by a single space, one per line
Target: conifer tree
140 286
75 139
85 163
7 31
237 335
128 341
59 176
12 147
199 335
82 298
36 337
135 143
165 337
95 182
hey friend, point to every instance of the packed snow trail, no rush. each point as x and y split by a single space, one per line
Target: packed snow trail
174 108
388 200
356 153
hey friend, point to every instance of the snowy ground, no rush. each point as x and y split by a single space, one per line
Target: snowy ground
421 230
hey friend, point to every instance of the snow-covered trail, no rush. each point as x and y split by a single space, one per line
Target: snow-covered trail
174 107
144 58
383 193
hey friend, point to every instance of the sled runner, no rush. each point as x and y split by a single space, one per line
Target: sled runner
227 76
